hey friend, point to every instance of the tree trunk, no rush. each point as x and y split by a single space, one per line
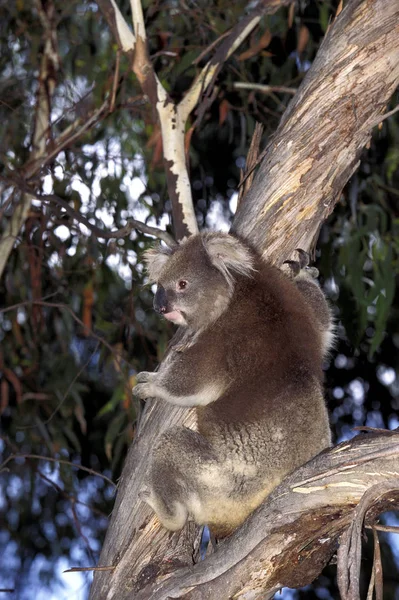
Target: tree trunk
306 164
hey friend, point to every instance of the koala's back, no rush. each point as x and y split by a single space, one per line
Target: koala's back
272 417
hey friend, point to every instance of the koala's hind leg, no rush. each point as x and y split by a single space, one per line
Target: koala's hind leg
305 278
173 487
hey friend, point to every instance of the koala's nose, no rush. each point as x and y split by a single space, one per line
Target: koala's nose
160 300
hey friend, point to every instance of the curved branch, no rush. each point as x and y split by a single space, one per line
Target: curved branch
109 235
350 548
293 535
173 118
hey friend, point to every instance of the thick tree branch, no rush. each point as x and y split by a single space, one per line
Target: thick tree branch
291 537
318 143
314 152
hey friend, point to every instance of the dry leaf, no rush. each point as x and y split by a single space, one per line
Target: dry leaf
256 47
224 108
303 39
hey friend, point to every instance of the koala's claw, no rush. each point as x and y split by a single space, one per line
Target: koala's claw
301 265
293 266
143 391
144 494
303 258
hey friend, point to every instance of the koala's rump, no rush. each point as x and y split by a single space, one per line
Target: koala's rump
255 454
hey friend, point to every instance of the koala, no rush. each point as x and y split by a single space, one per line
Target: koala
248 356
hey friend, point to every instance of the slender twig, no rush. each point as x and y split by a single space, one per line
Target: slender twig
77 569
252 158
377 568
97 231
118 233
382 118
73 315
211 47
69 497
386 528
65 396
266 89
115 81
61 461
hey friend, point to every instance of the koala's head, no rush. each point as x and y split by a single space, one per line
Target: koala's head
196 279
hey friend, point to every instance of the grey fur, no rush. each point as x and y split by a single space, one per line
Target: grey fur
250 361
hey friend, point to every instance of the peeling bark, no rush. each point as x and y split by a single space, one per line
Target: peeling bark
319 141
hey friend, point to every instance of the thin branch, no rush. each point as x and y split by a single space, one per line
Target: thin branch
115 82
124 231
238 34
266 89
118 25
382 118
49 67
78 569
73 315
65 396
119 233
56 460
71 133
386 528
211 46
377 567
252 159
69 497
209 72
138 19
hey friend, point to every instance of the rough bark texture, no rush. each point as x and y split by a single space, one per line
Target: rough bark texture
312 155
318 143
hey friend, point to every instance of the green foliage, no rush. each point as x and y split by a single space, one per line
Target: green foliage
368 259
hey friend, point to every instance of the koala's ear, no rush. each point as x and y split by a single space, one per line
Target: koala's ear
155 259
228 255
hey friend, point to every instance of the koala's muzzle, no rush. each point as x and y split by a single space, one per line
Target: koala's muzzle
160 300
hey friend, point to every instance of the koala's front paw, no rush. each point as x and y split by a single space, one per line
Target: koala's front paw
297 269
145 387
145 376
144 494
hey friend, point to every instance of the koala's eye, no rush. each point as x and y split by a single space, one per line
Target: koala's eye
182 284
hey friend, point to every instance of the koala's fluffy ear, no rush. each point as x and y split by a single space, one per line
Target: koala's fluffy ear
228 255
155 259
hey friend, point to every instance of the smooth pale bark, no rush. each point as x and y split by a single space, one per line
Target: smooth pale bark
308 161
172 117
